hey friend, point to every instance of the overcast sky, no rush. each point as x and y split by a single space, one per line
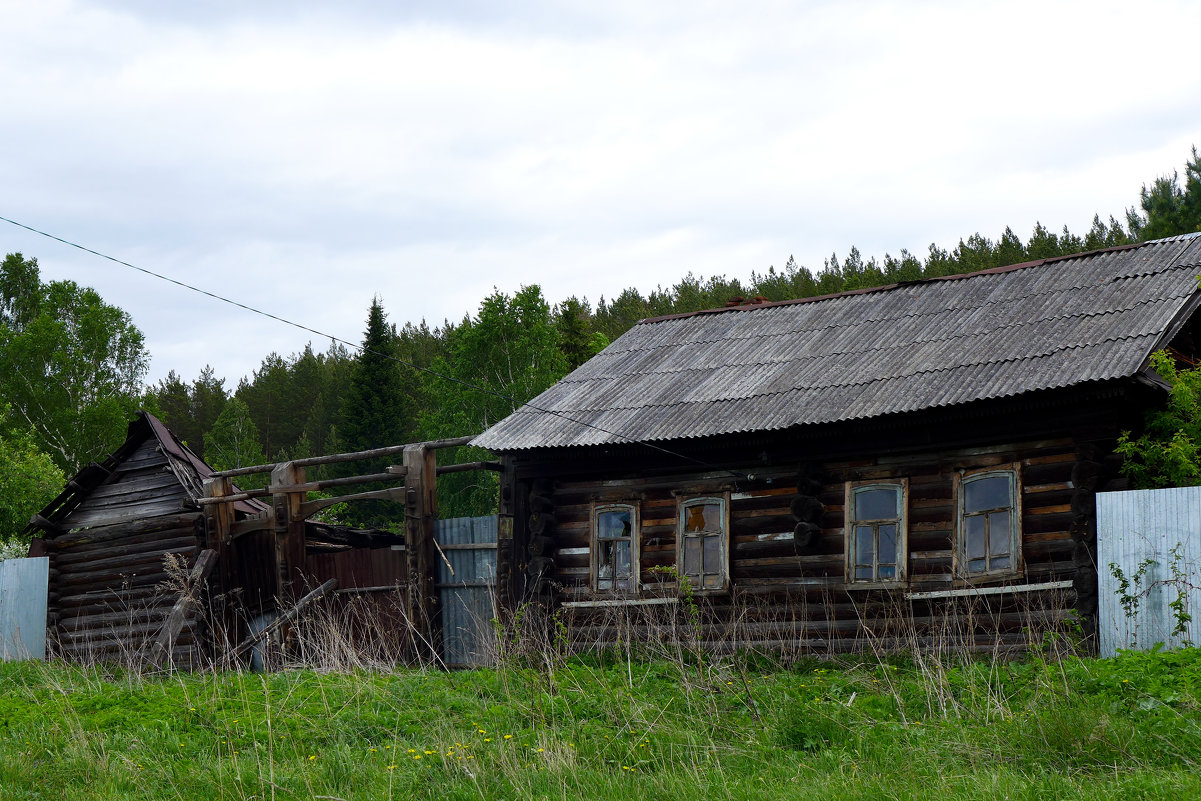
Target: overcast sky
302 156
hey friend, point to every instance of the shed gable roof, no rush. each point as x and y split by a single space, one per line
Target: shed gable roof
901 348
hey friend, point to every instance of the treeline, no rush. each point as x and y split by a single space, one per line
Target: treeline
72 367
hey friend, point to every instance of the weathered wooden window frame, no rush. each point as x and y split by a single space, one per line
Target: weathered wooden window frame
723 502
594 565
902 541
1014 472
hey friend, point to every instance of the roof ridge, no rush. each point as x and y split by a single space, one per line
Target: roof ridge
920 282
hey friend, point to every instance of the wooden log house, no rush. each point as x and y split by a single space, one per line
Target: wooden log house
878 467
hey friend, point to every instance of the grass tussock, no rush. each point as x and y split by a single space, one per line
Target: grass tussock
609 725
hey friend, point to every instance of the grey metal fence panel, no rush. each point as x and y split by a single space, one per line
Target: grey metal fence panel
467 588
23 585
1160 529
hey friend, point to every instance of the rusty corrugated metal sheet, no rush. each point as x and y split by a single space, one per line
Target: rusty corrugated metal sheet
1043 325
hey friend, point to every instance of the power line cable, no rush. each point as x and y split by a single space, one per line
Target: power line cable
487 390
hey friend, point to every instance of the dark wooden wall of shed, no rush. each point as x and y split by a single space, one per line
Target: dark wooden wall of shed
110 585
782 596
369 607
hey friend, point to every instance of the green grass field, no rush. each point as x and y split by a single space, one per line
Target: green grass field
612 728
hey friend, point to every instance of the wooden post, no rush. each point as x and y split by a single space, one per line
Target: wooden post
289 532
421 512
188 599
506 595
218 521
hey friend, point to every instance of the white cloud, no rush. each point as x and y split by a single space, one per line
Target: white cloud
303 159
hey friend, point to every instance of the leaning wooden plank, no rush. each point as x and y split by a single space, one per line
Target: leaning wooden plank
183 607
281 621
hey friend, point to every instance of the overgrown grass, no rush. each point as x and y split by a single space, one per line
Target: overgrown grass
612 727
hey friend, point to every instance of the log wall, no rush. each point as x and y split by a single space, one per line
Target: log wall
788 584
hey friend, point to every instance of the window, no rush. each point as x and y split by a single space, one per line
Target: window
989 522
615 547
702 543
875 524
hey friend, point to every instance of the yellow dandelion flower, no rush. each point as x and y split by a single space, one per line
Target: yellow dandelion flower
311 757
429 752
508 737
416 756
391 767
487 739
373 750
540 750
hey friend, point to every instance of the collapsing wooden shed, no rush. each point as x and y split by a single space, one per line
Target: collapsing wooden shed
139 570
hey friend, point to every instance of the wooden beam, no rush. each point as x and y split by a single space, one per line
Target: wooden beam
281 621
183 606
310 486
468 466
972 592
390 494
375 453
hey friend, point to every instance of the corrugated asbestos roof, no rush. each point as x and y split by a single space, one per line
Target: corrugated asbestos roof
901 348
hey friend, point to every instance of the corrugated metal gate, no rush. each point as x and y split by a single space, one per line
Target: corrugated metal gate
23 586
467 588
1145 527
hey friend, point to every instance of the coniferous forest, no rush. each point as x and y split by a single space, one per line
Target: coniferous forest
73 367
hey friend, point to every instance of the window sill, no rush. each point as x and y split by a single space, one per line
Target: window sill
877 585
618 602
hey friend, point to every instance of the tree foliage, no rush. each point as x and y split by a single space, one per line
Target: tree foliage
1168 208
29 479
504 356
71 365
1167 453
233 441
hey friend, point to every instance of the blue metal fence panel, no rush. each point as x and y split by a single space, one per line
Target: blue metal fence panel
1159 533
23 584
467 587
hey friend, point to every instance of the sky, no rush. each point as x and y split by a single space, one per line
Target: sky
303 157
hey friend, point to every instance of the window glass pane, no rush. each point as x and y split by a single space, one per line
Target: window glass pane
613 524
694 517
998 534
1001 563
692 556
863 545
975 536
621 560
977 566
876 504
712 516
887 572
712 582
604 560
713 554
986 493
887 553
863 572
